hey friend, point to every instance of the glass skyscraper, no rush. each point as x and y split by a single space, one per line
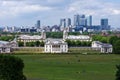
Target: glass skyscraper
80 20
89 21
76 20
38 24
104 22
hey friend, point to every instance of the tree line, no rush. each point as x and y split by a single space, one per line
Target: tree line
7 38
31 44
73 43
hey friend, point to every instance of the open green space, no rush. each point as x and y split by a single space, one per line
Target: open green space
70 66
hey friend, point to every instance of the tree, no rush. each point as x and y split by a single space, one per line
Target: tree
83 43
37 43
112 39
54 34
116 47
42 43
11 68
88 43
7 38
21 44
31 44
118 72
104 39
78 43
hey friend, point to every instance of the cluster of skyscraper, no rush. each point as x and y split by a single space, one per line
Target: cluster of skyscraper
81 20
83 23
80 23
32 29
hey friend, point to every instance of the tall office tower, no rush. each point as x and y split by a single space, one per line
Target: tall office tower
68 22
63 23
83 21
76 20
13 28
38 24
89 21
104 22
80 20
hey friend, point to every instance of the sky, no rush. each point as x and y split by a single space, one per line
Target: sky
27 12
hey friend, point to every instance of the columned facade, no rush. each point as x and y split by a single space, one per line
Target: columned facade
56 46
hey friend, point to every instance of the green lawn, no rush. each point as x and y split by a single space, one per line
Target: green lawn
70 66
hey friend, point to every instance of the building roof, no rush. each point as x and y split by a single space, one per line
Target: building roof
27 37
102 44
81 37
55 42
7 44
3 42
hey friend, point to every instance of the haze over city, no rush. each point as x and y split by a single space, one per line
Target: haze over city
26 12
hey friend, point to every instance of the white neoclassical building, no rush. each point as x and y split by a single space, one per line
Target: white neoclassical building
55 46
7 47
104 48
76 37
28 38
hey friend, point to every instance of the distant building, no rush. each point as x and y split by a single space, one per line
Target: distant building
89 21
6 29
68 22
33 30
80 20
104 48
55 46
76 37
55 28
28 30
12 28
83 20
63 23
104 24
76 20
38 24
28 38
7 47
96 28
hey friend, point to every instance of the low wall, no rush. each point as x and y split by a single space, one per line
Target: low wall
29 50
83 50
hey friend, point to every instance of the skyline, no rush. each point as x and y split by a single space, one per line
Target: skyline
26 13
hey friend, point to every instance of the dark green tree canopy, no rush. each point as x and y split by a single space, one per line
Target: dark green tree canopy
118 72
117 47
11 68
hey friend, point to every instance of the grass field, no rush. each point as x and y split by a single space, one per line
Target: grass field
70 66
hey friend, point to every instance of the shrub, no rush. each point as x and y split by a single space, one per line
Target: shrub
11 68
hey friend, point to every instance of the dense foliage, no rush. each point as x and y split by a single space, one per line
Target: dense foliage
118 72
11 68
100 38
74 33
59 34
7 38
31 44
116 47
20 44
78 43
54 34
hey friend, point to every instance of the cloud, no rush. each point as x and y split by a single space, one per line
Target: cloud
14 9
94 7
50 11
